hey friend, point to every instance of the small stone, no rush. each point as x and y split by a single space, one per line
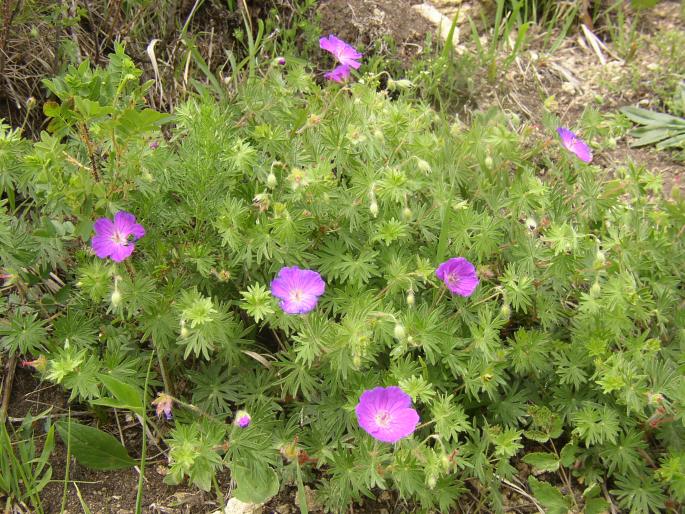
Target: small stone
235 506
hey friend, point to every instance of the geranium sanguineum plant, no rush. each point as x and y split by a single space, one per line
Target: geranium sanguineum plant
386 414
574 144
298 289
344 53
115 238
459 275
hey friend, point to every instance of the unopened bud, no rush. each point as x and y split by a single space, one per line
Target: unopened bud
411 299
280 61
115 299
600 260
373 208
489 163
423 165
399 331
356 361
271 181
595 289
392 85
30 102
407 214
184 330
403 84
432 481
445 461
505 310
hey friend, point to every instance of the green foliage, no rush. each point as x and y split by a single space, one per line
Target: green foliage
664 130
24 468
572 341
92 447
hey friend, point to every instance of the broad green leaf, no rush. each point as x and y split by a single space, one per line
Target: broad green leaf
536 435
125 395
646 117
567 456
542 461
94 448
255 486
596 506
550 497
674 141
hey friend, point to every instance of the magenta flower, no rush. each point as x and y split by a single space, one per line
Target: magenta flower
386 414
242 419
338 74
298 289
459 275
574 144
113 238
345 54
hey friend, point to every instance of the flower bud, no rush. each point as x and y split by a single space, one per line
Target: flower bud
505 310
373 208
271 181
423 165
595 289
184 330
411 299
404 84
399 331
40 364
407 214
445 462
356 361
242 419
489 163
115 299
432 481
392 85
600 260
280 61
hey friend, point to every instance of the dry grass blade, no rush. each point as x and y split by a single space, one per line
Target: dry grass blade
150 50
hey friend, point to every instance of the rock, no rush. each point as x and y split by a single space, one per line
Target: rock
235 506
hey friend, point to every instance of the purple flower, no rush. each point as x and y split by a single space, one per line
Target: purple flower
154 145
345 54
574 144
242 419
339 74
163 404
298 289
280 61
386 414
113 238
459 275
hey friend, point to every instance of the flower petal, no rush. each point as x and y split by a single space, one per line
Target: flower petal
104 226
103 246
121 252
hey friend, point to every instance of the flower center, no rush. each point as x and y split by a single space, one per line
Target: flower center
296 295
383 419
119 238
453 279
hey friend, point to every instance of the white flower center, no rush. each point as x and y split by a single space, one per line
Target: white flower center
383 419
118 238
296 295
453 279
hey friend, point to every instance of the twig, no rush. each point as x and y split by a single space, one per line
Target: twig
52 416
522 493
613 508
7 386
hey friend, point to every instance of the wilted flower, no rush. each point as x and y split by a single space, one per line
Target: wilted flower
114 239
40 364
344 53
154 145
386 414
574 144
338 74
298 289
459 275
242 419
164 403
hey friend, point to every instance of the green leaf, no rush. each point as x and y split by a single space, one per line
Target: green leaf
255 485
568 454
643 4
542 461
596 506
125 395
536 435
94 448
549 496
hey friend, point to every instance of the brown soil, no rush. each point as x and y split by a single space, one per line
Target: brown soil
365 22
